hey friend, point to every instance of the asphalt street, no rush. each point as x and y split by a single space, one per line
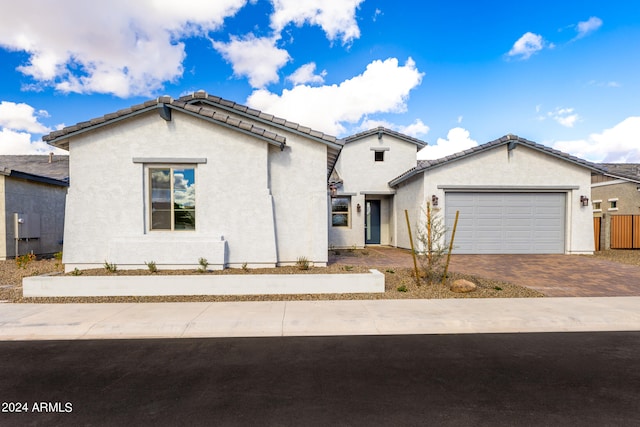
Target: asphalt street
533 379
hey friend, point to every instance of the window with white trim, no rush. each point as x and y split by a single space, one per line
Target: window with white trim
597 205
172 198
340 211
613 204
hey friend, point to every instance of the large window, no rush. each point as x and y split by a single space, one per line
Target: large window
173 202
340 208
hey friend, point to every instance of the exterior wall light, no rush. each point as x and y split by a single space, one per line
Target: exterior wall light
434 200
358 207
584 200
333 189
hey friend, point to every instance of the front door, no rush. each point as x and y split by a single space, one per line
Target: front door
372 222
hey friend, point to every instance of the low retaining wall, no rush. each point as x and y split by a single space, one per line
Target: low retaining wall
229 284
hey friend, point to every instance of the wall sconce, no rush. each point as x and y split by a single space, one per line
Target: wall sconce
333 190
358 207
434 200
584 200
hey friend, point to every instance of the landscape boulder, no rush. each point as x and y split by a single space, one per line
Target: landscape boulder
463 286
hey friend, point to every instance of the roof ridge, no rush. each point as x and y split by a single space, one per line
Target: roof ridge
202 95
149 105
388 131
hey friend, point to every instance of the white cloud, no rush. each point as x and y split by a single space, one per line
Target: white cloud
128 48
417 129
527 45
259 59
383 87
567 117
586 27
21 117
617 144
14 142
457 140
336 18
306 74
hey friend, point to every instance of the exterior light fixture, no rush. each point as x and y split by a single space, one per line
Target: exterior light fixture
358 207
584 200
434 200
333 189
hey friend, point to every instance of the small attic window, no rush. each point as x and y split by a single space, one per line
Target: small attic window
378 156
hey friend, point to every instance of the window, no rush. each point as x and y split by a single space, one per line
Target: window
172 195
378 156
340 208
597 205
613 204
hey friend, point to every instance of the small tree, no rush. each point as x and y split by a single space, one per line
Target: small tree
434 246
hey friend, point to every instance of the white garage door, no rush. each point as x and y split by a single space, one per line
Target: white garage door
507 223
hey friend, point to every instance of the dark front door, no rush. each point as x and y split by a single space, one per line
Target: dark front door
372 222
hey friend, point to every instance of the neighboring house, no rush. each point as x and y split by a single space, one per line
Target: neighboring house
513 195
362 204
32 198
616 193
175 180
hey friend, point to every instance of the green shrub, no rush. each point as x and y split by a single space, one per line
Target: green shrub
151 265
402 288
302 263
76 272
204 264
110 267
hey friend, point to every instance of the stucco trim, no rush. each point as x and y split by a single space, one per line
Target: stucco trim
508 188
378 193
170 160
380 148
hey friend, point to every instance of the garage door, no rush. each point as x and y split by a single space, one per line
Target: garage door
507 223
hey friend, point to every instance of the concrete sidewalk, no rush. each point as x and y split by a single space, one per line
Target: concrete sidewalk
319 318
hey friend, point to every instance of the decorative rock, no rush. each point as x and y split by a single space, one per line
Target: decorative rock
463 286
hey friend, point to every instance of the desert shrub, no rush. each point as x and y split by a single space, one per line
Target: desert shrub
110 267
24 260
302 263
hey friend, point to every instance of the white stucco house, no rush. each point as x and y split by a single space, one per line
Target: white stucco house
175 180
513 195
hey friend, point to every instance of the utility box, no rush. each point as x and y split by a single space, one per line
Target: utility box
26 226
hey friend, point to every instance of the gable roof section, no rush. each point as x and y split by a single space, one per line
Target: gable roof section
509 140
37 168
163 105
384 131
212 109
333 144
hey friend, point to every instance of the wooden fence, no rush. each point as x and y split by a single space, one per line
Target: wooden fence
625 231
596 231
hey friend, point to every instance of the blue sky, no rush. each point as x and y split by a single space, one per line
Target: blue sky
454 74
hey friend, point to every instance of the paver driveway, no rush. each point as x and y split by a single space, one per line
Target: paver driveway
553 275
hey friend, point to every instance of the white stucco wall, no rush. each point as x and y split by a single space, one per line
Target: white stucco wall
108 201
29 197
409 197
363 177
522 168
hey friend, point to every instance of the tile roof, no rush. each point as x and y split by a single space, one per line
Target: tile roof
36 167
211 108
59 138
424 165
383 130
624 170
204 97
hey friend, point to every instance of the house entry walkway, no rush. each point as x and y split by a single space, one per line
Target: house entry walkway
553 275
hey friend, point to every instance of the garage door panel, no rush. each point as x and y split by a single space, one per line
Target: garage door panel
507 222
